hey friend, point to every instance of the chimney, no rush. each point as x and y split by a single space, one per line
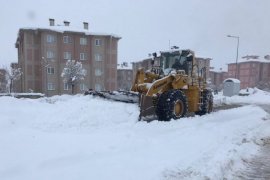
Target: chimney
66 23
85 25
51 22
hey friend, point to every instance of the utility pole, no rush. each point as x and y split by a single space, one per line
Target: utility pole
236 61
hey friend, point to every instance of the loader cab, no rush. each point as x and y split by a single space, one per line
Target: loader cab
177 60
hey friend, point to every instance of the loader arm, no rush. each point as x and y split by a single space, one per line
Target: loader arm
142 81
176 81
139 79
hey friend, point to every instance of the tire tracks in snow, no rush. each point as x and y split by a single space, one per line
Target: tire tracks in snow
258 167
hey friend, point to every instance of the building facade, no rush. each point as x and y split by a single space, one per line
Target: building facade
124 77
217 78
145 64
251 72
204 63
43 53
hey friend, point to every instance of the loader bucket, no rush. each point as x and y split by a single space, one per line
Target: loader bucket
147 108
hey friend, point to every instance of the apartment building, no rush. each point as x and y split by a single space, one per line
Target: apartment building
124 77
217 77
145 64
251 71
43 52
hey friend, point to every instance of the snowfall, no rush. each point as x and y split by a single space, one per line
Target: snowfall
84 137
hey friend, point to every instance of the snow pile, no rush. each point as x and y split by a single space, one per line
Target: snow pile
82 137
247 91
255 96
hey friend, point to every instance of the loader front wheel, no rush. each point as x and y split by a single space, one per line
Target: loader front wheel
171 104
207 103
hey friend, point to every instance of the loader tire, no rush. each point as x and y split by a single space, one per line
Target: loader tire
171 104
207 103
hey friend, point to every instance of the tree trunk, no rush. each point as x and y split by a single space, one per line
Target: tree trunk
10 86
72 88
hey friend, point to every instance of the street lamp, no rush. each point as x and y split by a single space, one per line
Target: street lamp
236 37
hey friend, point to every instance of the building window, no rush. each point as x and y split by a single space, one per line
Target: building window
51 38
83 87
67 55
98 72
83 56
66 86
50 70
83 41
98 57
50 54
98 42
67 39
51 86
97 87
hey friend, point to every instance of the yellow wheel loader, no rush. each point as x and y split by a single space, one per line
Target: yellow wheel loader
174 87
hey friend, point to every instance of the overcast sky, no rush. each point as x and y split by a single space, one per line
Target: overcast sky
147 26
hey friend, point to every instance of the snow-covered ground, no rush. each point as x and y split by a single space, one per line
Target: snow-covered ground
82 138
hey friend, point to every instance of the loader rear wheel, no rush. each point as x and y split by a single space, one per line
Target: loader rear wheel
171 104
207 103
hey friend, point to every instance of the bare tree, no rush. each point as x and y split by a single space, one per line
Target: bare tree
3 81
12 75
73 73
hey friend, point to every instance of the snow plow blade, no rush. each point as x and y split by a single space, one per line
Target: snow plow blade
147 108
121 96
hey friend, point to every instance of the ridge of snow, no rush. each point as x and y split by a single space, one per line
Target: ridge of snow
62 29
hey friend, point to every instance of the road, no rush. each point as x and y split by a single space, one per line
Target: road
258 167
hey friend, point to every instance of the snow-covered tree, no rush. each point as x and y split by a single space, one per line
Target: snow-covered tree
73 73
12 75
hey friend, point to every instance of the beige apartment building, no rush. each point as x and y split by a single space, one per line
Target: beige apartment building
43 52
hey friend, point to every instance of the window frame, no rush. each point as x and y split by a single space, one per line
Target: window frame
98 42
98 57
83 41
98 87
67 39
67 53
50 54
50 70
50 38
66 86
50 86
83 87
98 72
84 56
